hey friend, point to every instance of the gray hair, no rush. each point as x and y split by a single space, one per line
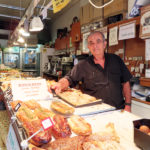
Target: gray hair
94 32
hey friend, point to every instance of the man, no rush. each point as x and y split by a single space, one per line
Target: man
103 75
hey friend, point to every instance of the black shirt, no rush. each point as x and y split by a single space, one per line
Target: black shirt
104 83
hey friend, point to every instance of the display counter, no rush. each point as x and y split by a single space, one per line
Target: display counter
122 121
141 108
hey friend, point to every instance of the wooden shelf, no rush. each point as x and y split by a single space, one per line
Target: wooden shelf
137 19
138 100
145 82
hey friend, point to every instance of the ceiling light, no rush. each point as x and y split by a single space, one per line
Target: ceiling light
15 43
36 24
23 32
20 40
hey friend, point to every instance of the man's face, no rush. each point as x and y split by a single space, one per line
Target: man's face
96 44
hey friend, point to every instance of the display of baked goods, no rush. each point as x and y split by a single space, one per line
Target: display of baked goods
61 128
79 125
106 140
62 108
32 124
32 104
69 143
43 113
76 97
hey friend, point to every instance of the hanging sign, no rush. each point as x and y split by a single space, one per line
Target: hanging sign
127 31
30 89
59 4
113 36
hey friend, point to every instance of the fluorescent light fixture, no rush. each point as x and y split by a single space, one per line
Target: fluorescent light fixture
20 40
36 24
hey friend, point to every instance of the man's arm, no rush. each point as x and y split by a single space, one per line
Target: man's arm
127 95
61 85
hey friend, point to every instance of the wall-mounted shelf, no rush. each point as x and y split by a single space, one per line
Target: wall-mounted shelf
137 19
145 82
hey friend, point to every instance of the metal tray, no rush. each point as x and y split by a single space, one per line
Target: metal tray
98 101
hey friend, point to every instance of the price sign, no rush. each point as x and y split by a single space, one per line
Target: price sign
11 141
17 107
30 89
47 123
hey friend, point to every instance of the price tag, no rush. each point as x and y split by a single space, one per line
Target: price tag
47 123
17 107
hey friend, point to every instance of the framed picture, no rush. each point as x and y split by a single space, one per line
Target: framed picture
145 22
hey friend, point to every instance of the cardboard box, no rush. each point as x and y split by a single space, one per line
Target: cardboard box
116 7
98 12
86 13
141 139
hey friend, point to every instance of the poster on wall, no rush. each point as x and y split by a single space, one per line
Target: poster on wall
85 43
145 22
113 36
147 49
127 31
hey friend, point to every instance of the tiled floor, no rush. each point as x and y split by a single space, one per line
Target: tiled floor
4 126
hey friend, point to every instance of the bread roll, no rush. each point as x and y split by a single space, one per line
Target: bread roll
79 125
62 108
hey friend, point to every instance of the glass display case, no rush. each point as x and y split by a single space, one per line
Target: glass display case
30 61
12 60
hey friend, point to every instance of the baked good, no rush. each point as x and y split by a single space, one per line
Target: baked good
61 127
43 137
106 140
76 97
79 126
32 124
74 143
32 104
62 107
43 113
14 103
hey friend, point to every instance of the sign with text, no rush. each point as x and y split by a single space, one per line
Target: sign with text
47 123
11 141
147 49
59 4
113 36
30 89
127 31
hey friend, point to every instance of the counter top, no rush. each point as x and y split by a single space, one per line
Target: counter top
138 100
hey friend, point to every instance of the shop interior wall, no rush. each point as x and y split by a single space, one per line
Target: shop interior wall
66 18
3 42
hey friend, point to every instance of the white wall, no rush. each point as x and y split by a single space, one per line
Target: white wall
66 18
3 43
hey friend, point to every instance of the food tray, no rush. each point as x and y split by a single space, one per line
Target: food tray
98 101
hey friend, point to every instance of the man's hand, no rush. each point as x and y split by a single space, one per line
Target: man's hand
61 85
127 108
57 87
